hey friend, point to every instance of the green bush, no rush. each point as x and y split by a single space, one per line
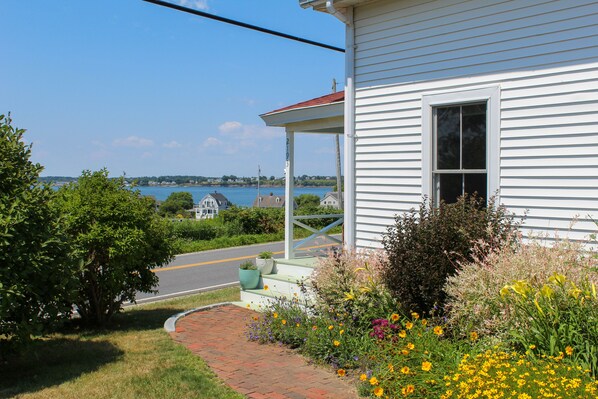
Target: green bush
198 229
474 303
349 285
559 319
36 279
424 247
253 220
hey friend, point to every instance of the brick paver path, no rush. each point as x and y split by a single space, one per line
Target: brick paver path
257 371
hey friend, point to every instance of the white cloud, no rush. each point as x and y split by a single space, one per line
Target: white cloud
211 142
146 155
172 144
197 4
228 127
133 141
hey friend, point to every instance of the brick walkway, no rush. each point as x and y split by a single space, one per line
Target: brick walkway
258 371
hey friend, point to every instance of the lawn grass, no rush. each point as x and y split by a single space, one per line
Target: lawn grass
134 358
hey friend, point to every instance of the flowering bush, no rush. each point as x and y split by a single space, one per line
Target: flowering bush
559 318
499 374
410 358
349 285
474 302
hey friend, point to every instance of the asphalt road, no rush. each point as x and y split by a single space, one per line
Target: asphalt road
203 271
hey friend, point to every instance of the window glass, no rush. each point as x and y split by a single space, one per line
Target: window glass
474 136
448 147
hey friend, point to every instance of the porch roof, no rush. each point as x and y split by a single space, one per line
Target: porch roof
323 114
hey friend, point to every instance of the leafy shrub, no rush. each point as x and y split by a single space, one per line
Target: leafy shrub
254 220
474 302
36 279
424 247
198 230
560 318
349 284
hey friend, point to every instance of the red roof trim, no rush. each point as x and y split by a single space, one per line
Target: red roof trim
324 100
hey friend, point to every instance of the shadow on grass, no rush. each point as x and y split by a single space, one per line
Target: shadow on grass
49 362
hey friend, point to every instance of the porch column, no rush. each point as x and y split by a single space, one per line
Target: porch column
289 172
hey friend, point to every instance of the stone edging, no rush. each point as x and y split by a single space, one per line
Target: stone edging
170 323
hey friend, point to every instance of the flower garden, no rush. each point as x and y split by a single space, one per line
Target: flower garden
455 306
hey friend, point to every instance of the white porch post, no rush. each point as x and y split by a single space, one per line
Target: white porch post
289 171
350 215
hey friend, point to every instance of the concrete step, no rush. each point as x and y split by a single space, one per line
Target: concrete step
300 267
280 284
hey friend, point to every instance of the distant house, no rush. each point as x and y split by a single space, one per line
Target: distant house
271 201
210 205
330 199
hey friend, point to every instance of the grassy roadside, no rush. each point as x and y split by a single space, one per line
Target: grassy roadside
135 358
184 246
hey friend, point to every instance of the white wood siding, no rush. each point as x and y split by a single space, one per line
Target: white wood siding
544 57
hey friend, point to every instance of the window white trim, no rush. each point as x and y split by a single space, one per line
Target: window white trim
489 94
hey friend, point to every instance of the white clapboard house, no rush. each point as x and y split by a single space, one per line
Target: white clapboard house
450 96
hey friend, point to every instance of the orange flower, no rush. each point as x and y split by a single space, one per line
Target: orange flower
410 346
409 389
363 377
283 322
405 370
405 352
426 366
409 325
373 381
415 315
424 322
341 372
378 391
266 288
569 350
330 327
403 334
438 330
473 336
394 317
275 315
391 368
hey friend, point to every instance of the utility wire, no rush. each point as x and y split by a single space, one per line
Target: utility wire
243 24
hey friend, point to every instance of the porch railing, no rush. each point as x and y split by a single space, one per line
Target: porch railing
316 233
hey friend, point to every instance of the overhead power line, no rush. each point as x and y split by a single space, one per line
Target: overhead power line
243 24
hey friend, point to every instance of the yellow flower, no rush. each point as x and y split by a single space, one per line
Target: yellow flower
473 336
373 381
314 328
349 296
248 306
394 317
330 327
364 290
532 346
405 352
438 330
504 291
336 343
405 370
409 325
410 346
378 391
391 368
298 324
266 288
275 315
569 350
407 390
424 322
426 366
341 332
341 372
402 333
415 315
363 377
284 321
546 291
557 279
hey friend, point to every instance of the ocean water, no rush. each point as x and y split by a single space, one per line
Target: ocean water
240 196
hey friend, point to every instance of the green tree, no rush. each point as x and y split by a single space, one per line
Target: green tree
307 200
35 277
177 203
118 239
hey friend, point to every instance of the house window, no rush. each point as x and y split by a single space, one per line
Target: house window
460 141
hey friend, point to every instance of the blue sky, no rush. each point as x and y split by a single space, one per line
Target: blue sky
142 89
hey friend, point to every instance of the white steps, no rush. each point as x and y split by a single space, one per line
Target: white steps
284 282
